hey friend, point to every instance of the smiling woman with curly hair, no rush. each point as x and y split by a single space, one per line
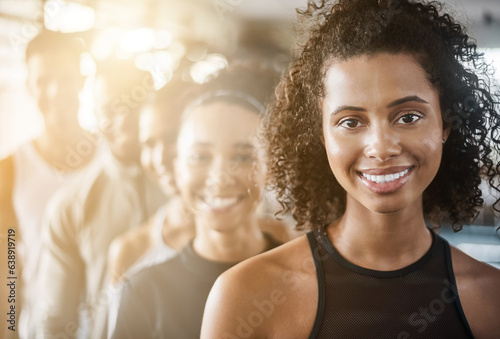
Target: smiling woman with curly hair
442 48
386 119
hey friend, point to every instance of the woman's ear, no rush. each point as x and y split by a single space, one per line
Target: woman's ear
322 138
446 130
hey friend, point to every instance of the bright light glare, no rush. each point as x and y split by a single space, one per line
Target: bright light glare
144 61
161 79
68 17
138 40
165 61
160 64
87 65
177 49
104 43
163 39
86 116
203 70
164 64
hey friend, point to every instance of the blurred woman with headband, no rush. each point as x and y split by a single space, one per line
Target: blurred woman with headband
220 172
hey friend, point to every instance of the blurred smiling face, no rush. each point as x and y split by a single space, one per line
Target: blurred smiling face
219 167
55 81
158 136
118 120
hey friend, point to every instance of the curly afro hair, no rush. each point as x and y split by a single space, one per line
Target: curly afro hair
298 165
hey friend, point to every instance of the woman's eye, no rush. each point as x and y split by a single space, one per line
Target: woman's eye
350 123
199 158
408 119
244 158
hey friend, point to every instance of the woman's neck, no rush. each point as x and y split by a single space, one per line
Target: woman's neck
382 242
234 245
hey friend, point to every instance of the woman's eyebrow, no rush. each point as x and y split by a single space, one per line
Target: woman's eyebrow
243 145
347 108
392 104
406 99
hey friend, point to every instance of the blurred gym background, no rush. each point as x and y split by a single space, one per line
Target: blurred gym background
193 38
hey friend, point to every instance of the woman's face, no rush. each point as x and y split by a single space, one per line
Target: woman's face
382 130
157 135
219 167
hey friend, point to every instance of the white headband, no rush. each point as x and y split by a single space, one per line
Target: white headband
220 94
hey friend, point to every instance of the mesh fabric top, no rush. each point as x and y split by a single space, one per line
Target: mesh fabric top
417 301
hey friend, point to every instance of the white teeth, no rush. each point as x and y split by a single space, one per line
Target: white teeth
218 202
380 179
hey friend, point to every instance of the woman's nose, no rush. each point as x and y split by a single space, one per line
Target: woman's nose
219 176
382 143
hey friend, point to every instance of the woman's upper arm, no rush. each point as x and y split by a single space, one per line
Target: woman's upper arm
231 301
220 305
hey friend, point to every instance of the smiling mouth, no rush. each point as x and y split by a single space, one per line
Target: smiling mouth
387 178
221 203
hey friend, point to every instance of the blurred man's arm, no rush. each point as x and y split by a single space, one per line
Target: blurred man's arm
128 248
8 229
63 273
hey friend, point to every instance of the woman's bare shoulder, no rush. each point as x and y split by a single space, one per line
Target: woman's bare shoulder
270 287
270 263
478 288
467 268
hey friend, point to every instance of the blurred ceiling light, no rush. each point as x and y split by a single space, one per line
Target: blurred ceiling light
68 17
163 39
86 116
205 69
104 43
177 49
197 53
144 61
161 79
165 61
124 55
138 40
162 61
87 65
160 64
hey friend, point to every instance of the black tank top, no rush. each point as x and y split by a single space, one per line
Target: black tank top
417 301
